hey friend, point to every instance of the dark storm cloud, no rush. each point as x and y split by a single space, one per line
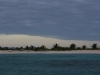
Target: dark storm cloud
66 19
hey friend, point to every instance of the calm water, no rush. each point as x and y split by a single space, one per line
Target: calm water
49 64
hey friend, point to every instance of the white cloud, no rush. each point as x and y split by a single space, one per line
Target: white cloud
23 40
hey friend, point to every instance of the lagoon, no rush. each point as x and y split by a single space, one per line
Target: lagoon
49 64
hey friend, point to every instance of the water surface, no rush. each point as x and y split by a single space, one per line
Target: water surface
49 64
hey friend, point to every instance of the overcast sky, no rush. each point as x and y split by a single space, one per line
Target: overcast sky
62 19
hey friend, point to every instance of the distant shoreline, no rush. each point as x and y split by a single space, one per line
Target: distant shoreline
52 52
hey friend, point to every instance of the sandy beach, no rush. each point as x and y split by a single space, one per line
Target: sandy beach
50 52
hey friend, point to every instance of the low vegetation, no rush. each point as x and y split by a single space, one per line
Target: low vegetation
55 47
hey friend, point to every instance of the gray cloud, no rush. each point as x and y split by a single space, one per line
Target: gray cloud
66 19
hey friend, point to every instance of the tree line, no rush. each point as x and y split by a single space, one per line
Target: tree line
55 47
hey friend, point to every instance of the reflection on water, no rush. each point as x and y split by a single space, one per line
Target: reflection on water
23 40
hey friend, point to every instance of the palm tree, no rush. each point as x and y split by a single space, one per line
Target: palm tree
55 46
31 47
72 46
84 47
0 48
43 47
94 46
26 48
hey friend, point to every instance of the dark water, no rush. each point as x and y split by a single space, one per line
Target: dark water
49 64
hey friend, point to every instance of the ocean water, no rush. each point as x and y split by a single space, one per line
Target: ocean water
49 64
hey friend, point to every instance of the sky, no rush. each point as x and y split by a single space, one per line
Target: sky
63 20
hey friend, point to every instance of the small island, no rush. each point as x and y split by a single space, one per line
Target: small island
73 49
